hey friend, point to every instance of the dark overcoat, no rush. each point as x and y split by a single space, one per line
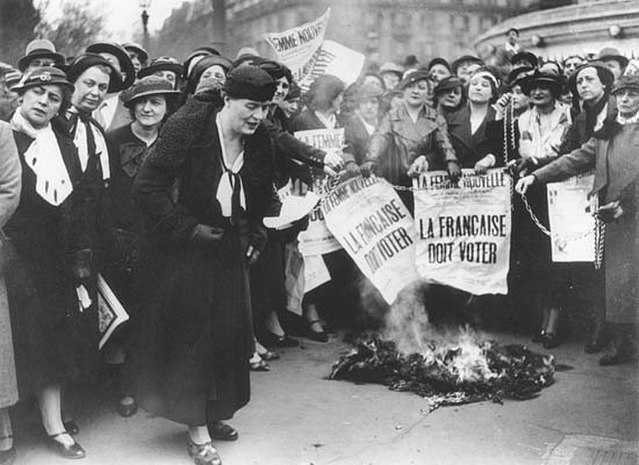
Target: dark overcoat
54 341
614 154
196 332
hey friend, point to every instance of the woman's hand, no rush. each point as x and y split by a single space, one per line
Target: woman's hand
485 164
368 168
453 169
333 161
205 233
524 183
609 212
419 166
82 264
501 105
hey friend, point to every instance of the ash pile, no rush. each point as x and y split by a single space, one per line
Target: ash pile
450 373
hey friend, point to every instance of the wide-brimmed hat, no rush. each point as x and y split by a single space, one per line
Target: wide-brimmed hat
544 79
148 85
413 77
446 84
115 49
195 56
161 64
250 82
201 66
43 76
525 55
606 76
138 50
391 67
465 59
88 60
611 53
40 48
627 81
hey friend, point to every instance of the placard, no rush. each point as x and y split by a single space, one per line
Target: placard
464 230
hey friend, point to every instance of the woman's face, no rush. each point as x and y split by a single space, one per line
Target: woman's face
519 99
336 104
290 107
439 72
627 102
282 90
541 96
369 109
150 111
589 86
418 93
168 75
216 72
374 80
571 65
245 115
40 104
450 98
479 90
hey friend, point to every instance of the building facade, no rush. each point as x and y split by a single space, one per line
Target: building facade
583 28
382 29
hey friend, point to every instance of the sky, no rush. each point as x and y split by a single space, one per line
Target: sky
122 17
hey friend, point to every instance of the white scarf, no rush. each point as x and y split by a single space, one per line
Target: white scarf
44 158
225 187
329 122
623 121
81 142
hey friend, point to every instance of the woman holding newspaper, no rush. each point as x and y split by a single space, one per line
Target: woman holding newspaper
53 316
612 152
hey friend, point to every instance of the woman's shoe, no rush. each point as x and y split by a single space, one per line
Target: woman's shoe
319 336
283 341
125 409
7 457
73 451
203 454
259 365
539 337
550 341
72 427
222 431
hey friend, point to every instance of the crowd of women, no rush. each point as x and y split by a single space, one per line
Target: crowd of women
154 176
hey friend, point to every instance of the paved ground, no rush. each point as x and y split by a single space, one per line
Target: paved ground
297 417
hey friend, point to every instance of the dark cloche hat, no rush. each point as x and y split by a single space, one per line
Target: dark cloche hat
149 85
605 76
161 64
250 82
40 48
525 56
88 60
44 76
115 49
413 77
201 66
518 73
549 80
465 59
446 84
138 50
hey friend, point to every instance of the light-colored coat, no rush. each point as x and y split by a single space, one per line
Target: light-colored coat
10 182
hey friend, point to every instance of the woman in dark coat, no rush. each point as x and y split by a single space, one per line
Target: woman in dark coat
150 101
613 155
55 328
196 335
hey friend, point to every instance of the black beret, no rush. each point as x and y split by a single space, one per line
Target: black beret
250 82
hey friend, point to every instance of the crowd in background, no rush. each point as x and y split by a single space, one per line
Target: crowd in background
155 175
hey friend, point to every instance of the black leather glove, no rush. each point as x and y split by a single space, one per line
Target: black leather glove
205 233
368 168
453 169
